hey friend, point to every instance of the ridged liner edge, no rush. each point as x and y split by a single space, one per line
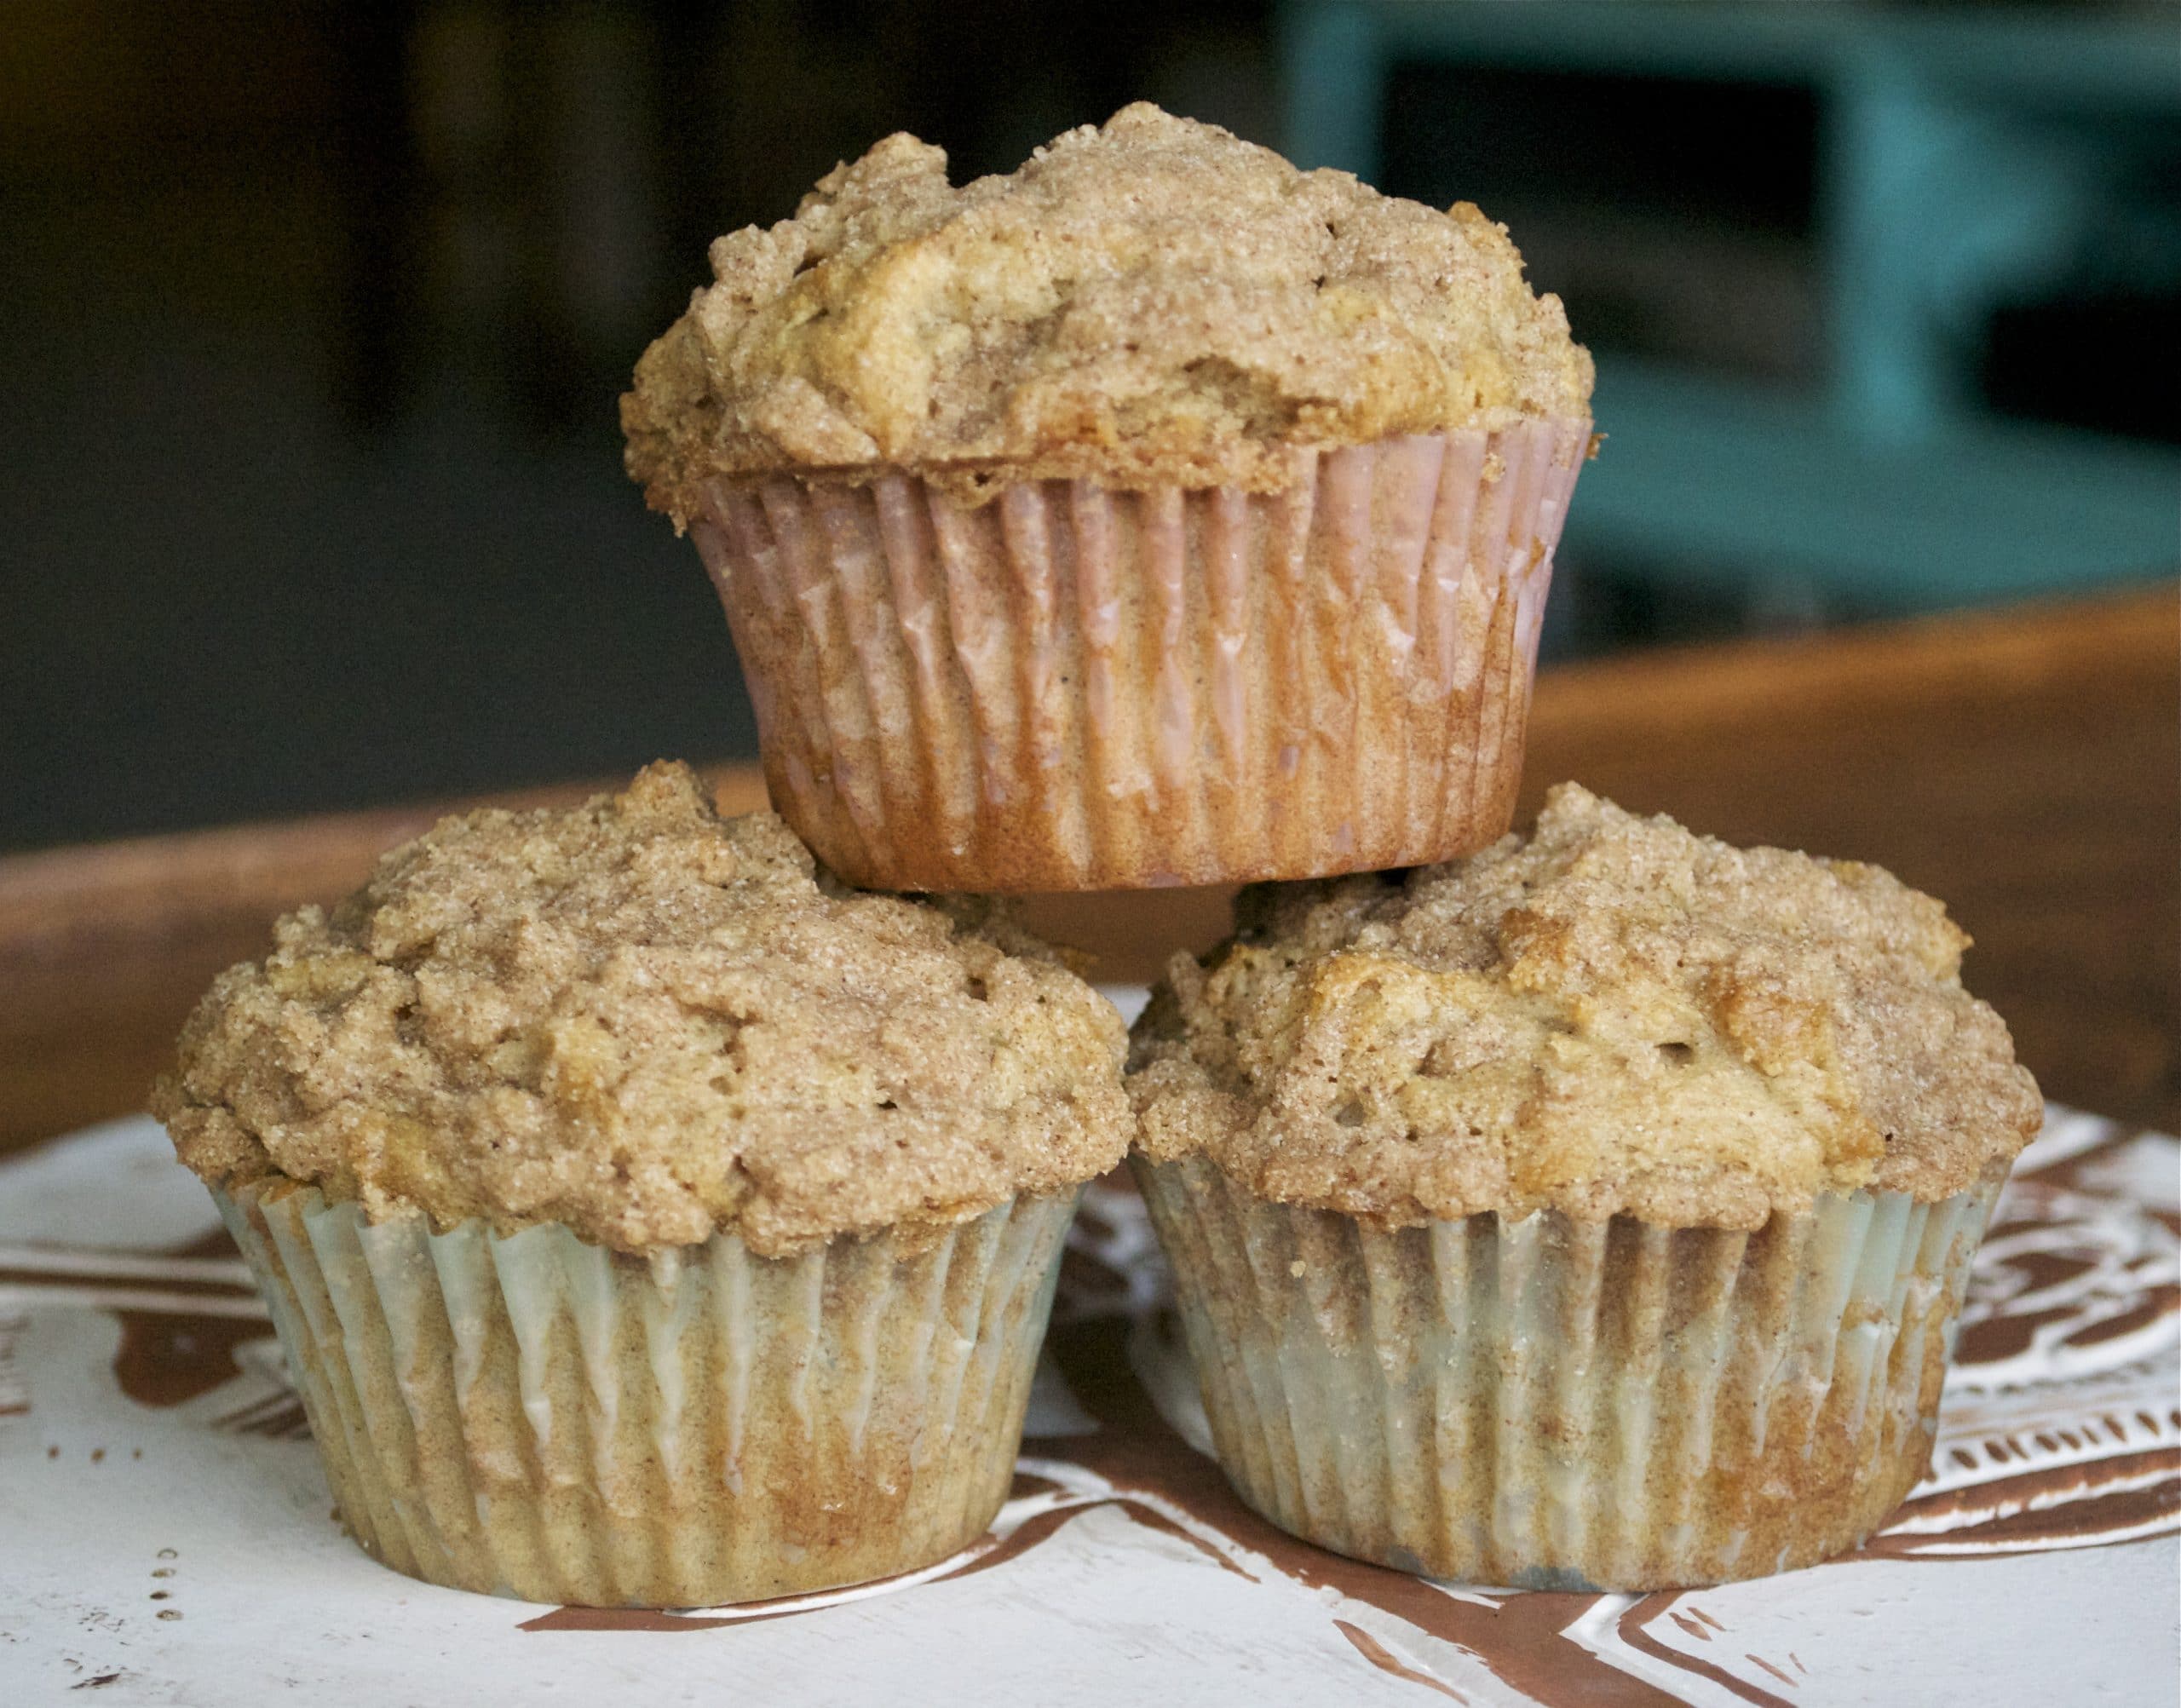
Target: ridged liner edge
1070 687
532 1416
1553 1404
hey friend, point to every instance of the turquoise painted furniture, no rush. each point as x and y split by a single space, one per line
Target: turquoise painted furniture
1963 150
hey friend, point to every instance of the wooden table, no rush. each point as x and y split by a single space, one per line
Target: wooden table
2026 765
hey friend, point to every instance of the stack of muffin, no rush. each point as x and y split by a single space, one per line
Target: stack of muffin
652 1218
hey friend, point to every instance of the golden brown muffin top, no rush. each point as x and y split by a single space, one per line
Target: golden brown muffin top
1611 1015
1154 302
647 1023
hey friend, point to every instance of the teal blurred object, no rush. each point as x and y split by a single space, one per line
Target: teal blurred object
1963 152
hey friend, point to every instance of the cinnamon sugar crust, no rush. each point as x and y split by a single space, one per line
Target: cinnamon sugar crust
648 1023
1153 303
1611 1016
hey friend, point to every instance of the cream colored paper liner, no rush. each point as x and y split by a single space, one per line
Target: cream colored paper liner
532 1416
1074 689
1553 1404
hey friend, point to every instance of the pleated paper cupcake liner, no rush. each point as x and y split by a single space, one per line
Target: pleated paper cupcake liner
532 1416
1074 689
1554 1404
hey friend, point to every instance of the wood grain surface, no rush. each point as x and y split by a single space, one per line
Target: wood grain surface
2025 766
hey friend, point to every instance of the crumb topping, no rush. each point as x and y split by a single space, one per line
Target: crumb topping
647 1023
1153 303
1611 1015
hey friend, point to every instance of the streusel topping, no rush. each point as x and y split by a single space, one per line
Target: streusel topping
647 1023
1610 1016
1153 303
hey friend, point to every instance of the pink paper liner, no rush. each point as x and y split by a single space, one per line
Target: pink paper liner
1074 688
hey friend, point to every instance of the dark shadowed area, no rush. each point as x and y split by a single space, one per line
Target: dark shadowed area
313 320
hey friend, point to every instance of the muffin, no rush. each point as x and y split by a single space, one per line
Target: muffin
649 1220
1593 1212
1159 514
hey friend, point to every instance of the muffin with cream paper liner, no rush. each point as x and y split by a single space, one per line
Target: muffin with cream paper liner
649 1220
1158 513
1593 1212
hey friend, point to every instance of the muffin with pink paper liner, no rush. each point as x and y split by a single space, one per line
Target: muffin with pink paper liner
1159 514
646 1220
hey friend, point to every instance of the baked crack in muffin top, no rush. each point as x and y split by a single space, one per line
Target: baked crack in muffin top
1153 302
1610 1016
645 1022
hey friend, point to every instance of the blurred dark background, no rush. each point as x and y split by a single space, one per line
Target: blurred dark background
313 318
